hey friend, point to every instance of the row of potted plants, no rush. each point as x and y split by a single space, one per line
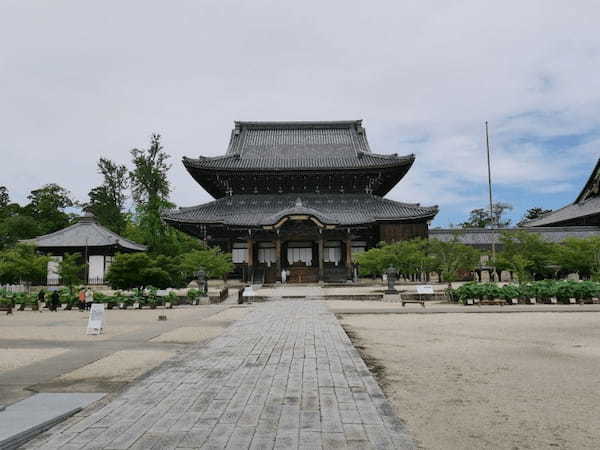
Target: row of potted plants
148 297
546 291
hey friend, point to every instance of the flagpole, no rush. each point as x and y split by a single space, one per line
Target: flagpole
492 216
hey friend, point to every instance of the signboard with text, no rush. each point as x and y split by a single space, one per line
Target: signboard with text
425 289
96 320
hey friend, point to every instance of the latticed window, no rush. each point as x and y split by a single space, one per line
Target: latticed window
239 253
300 252
332 252
266 253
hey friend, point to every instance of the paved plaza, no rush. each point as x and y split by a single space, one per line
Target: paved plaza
285 376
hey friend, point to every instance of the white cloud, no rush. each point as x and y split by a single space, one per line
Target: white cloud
82 80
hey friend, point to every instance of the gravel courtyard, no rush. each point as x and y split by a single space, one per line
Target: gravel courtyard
50 352
473 381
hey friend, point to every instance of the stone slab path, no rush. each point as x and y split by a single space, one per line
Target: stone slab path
285 377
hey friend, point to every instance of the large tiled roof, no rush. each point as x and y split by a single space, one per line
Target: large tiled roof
298 145
574 211
587 204
483 236
85 233
331 209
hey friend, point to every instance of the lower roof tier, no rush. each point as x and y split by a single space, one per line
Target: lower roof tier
325 209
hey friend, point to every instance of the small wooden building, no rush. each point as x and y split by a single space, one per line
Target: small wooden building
300 196
96 244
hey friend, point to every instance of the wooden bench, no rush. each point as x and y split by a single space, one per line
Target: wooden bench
422 302
492 302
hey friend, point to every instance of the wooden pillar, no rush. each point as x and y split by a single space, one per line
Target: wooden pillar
250 250
321 257
278 257
349 255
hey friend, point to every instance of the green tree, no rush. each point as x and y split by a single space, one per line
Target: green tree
107 201
410 258
451 258
47 206
372 262
15 224
527 254
580 255
126 269
150 188
22 264
534 213
71 270
481 217
16 227
139 270
4 199
216 263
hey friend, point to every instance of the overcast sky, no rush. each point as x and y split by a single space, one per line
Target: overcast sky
82 79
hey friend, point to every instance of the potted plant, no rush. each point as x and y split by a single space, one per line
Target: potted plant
6 304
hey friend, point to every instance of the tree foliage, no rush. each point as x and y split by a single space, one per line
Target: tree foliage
415 257
481 217
4 199
150 188
535 213
44 214
580 255
47 206
216 263
527 254
22 264
15 227
452 258
138 270
107 201
71 269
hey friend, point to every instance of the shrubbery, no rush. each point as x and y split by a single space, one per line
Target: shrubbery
415 257
138 270
540 290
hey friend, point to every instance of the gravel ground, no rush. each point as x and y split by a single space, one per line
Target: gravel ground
497 381
14 358
71 325
189 335
121 366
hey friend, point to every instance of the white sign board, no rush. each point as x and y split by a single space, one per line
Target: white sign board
425 289
248 292
96 320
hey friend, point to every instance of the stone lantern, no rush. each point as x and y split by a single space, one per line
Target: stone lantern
392 275
203 280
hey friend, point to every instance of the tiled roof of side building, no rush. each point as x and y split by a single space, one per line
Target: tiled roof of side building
331 209
298 145
588 207
586 204
85 233
483 236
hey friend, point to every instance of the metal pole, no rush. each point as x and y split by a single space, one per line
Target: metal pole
492 216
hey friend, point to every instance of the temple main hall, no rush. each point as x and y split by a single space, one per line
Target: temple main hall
301 196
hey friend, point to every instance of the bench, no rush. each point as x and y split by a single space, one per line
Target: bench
492 302
422 302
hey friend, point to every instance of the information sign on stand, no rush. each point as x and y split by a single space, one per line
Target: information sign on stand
96 320
425 289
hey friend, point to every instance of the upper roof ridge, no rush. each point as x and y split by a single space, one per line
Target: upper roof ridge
275 124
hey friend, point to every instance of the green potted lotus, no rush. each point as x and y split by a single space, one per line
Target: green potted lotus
6 304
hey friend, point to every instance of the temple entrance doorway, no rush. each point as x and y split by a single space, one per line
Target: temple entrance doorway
301 261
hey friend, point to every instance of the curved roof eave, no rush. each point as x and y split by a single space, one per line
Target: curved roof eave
231 163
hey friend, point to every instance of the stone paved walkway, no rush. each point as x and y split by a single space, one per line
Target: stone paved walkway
285 377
